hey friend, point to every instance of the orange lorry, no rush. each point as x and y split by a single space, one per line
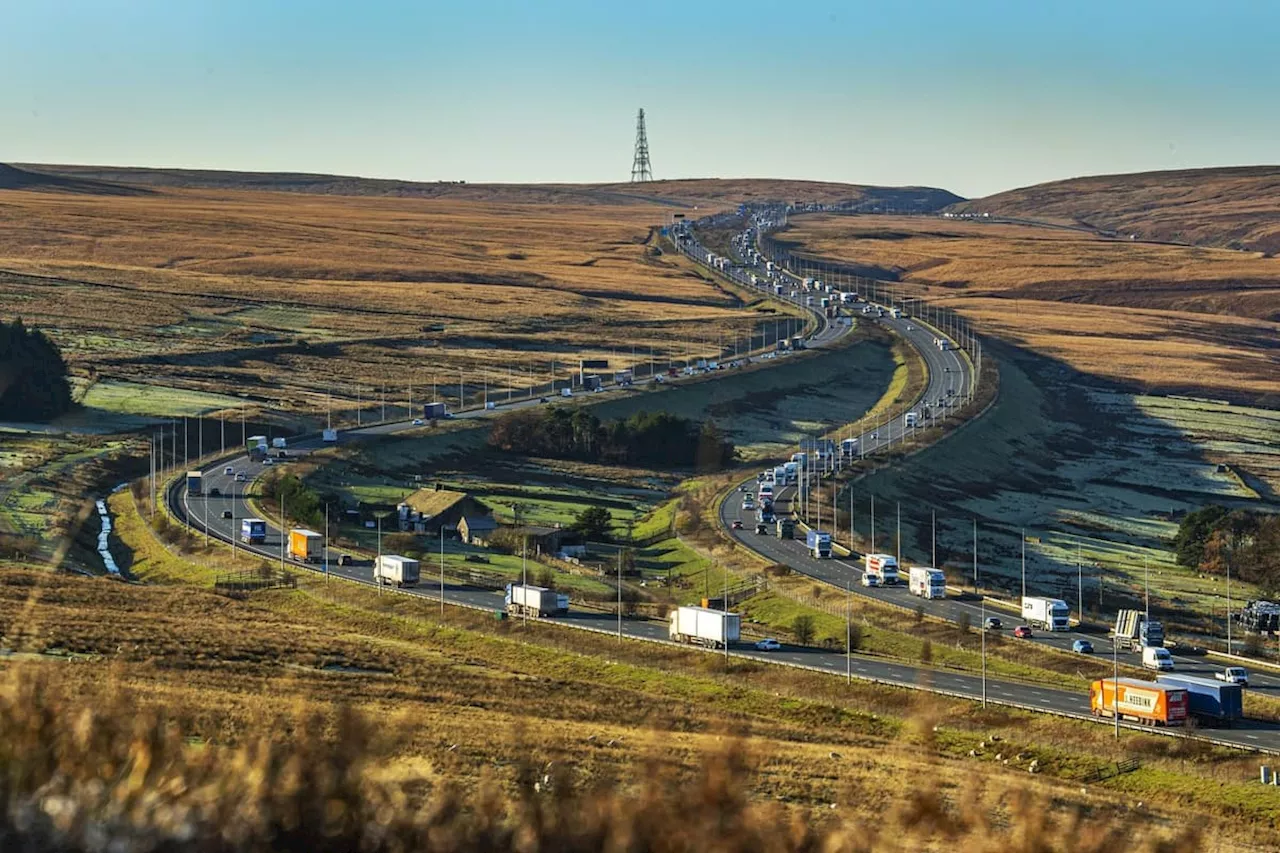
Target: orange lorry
1140 701
305 545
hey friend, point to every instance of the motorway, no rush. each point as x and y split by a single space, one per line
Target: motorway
947 370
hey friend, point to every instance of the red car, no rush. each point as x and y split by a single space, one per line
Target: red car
1022 631
737 525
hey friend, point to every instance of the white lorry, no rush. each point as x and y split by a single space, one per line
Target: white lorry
279 443
910 419
702 626
1051 614
526 599
394 569
927 582
884 567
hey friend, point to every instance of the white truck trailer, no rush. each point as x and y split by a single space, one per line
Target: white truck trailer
394 569
927 582
528 600
702 626
884 567
1051 614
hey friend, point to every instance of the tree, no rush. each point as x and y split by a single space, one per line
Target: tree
33 375
802 629
1193 533
594 522
628 558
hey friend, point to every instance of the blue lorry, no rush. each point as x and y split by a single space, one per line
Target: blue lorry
1210 701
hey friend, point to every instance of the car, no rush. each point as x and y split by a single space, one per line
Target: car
345 560
417 422
228 470
215 492
1082 647
226 513
910 328
266 460
869 579
542 399
762 528
747 489
1233 675
768 645
241 477
737 524
993 623
1022 632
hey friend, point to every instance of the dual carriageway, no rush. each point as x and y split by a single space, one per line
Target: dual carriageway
950 377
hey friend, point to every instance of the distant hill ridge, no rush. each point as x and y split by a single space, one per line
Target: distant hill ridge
681 193
16 178
1235 207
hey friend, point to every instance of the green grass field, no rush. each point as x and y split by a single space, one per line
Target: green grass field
132 398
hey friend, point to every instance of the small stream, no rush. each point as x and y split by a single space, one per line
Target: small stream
104 536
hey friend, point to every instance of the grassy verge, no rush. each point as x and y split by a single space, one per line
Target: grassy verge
672 688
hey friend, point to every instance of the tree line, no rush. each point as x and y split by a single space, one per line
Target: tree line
655 439
33 375
1213 538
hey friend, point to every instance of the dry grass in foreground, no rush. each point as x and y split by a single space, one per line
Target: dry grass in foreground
106 777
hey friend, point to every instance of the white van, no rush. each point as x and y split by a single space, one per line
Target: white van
1155 657
565 392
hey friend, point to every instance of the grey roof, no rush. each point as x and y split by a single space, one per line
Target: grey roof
478 522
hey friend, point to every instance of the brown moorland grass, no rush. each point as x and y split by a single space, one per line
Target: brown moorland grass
1236 207
1152 316
275 293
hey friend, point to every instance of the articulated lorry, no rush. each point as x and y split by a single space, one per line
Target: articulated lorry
927 582
1051 614
528 600
394 569
1133 632
253 531
305 545
786 528
1209 701
195 483
884 567
1141 701
819 544
702 626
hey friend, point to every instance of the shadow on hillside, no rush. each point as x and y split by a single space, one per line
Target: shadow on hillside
13 178
1078 464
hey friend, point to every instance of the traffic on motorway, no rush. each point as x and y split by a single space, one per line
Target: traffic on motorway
221 507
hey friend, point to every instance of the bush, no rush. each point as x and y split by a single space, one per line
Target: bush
926 652
645 438
802 629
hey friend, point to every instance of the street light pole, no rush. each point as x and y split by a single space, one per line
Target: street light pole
1024 564
442 571
1080 582
982 599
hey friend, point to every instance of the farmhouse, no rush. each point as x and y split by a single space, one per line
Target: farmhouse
477 529
429 510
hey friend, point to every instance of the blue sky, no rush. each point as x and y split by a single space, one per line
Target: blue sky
972 96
